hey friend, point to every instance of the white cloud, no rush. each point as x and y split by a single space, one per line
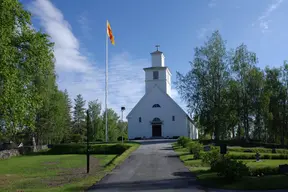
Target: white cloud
81 75
78 74
84 24
264 18
66 45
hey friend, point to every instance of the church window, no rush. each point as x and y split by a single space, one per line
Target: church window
156 106
156 119
173 118
140 120
155 74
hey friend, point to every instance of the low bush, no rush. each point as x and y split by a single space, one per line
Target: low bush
243 143
125 138
211 157
262 171
183 141
274 156
77 138
8 146
27 150
230 169
257 149
82 148
195 148
253 156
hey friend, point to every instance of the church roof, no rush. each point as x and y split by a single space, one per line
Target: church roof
156 52
156 87
155 68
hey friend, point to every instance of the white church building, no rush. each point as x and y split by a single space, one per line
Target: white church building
157 115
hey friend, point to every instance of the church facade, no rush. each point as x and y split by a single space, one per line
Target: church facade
157 115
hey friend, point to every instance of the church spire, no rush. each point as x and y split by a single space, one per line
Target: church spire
158 74
158 59
157 46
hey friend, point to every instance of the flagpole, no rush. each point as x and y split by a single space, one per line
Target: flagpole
106 89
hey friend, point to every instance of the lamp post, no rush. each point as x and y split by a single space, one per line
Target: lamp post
87 139
122 110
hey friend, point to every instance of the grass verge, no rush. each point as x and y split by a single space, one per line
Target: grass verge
57 172
210 179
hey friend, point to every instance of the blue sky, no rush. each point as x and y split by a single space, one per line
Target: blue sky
78 29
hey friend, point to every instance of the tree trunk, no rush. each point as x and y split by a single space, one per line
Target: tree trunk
34 144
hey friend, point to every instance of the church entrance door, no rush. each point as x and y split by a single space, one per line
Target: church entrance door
156 131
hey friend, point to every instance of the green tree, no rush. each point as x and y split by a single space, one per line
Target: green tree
232 106
97 132
67 117
203 87
88 126
284 80
258 100
242 62
26 58
79 116
123 131
113 128
273 84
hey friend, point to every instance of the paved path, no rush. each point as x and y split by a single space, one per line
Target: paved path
154 166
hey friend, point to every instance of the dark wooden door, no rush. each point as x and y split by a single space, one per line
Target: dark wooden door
156 131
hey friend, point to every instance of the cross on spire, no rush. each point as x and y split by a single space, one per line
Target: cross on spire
157 46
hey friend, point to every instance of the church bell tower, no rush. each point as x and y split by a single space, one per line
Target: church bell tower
158 74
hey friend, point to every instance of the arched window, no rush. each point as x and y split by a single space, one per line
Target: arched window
156 106
156 119
140 119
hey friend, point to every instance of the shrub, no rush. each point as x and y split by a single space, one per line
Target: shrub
8 146
109 149
256 149
261 171
124 138
211 157
243 143
183 141
26 150
195 149
94 149
77 138
231 169
252 156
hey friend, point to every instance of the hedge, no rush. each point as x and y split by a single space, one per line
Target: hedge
94 149
262 171
243 143
256 149
253 156
183 141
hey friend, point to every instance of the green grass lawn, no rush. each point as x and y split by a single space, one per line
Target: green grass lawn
211 180
56 172
265 163
263 155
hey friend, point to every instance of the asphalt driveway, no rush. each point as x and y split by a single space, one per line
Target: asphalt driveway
154 166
